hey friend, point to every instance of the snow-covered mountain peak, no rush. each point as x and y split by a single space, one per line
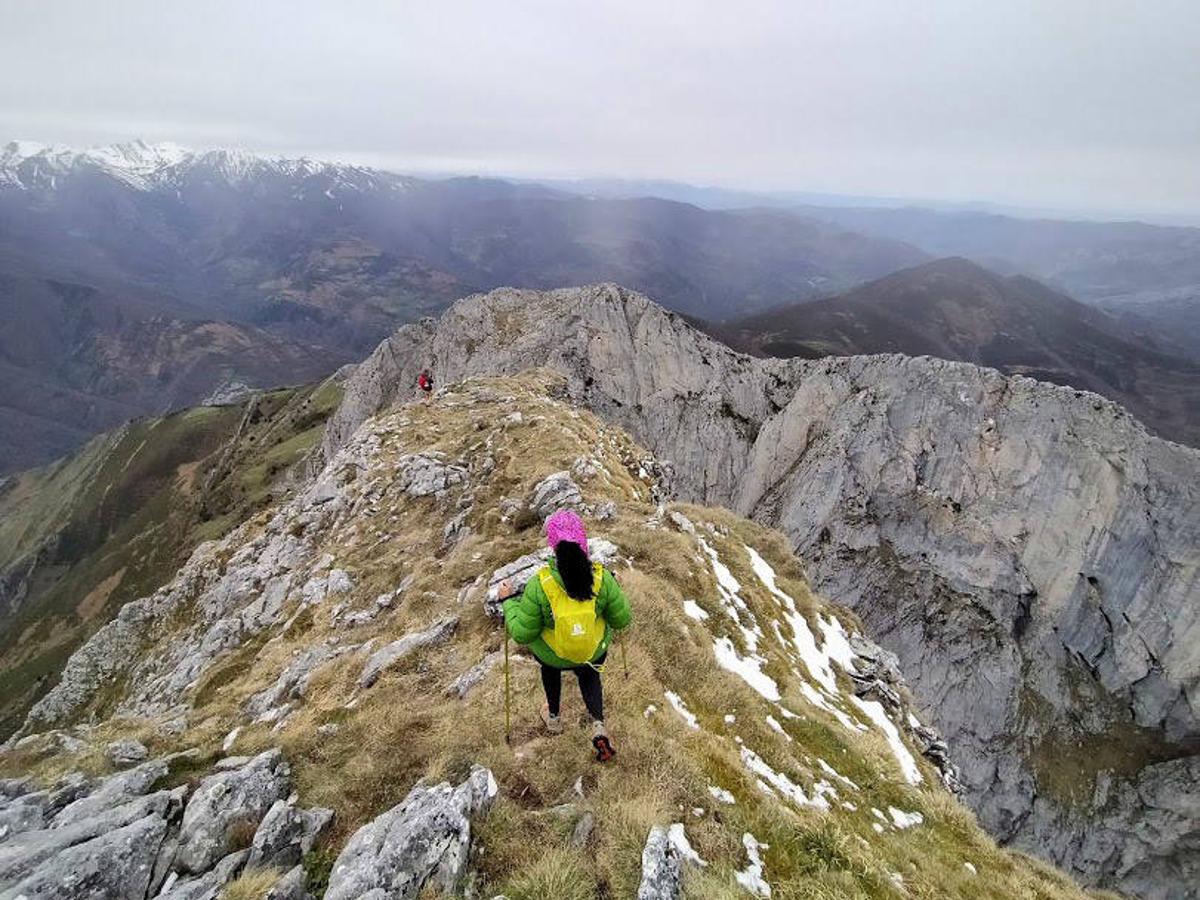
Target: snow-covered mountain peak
28 165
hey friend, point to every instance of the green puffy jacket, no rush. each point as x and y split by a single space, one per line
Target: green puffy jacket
528 615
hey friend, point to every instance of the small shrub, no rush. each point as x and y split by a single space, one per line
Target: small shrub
318 864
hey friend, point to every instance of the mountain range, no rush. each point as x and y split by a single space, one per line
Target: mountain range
955 309
140 278
308 265
1147 275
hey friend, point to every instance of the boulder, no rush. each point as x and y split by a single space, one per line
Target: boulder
424 840
21 814
126 752
293 680
466 682
239 796
286 834
113 791
115 865
385 657
557 491
207 886
23 853
16 787
662 868
290 886
582 832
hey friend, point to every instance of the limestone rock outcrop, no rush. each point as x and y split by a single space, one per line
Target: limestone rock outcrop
424 840
1029 553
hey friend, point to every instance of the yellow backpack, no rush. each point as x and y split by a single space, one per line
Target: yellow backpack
577 630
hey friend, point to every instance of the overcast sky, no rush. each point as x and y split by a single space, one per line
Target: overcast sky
1066 104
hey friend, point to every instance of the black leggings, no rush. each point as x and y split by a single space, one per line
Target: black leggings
589 687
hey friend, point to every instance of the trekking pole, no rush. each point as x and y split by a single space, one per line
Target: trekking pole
624 659
507 694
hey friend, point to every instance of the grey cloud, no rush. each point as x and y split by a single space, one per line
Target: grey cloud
1075 103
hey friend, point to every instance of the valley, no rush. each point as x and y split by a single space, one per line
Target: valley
957 310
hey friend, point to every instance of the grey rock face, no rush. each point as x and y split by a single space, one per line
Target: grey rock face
1015 544
22 814
437 633
423 840
290 886
428 474
126 752
207 886
555 492
293 680
286 834
112 791
662 868
244 794
24 854
116 865
466 682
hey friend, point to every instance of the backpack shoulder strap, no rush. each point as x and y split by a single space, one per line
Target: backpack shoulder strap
550 587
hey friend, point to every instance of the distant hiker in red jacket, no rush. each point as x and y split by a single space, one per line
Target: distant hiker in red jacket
425 383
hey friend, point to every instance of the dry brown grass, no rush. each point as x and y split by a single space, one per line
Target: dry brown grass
250 885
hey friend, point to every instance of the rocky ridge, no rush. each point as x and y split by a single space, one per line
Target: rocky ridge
1035 531
802 731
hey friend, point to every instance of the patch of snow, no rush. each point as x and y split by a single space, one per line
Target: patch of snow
780 782
694 610
730 718
816 698
721 795
751 878
902 819
878 828
774 723
823 789
749 668
913 721
874 711
678 839
970 868
830 770
680 707
650 710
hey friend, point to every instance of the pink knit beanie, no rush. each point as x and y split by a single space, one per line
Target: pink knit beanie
564 525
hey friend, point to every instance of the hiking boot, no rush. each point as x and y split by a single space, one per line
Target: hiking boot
600 741
553 723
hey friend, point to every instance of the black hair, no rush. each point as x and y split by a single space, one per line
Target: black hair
575 569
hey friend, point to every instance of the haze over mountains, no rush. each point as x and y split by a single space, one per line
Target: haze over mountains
140 278
314 263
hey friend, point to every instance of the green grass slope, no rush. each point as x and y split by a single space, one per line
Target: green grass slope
112 522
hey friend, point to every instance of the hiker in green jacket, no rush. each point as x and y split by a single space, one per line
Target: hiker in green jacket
567 616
